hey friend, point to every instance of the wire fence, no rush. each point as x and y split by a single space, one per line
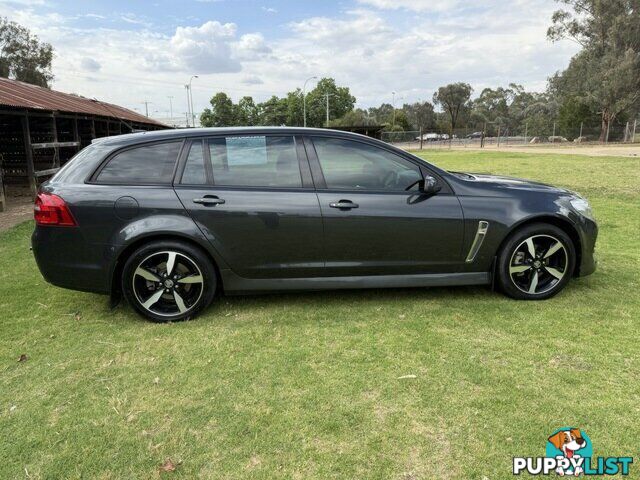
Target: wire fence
496 136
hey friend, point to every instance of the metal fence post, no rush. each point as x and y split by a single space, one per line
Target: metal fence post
420 138
635 122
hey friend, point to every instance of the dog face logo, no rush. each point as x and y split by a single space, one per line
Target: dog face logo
568 441
572 445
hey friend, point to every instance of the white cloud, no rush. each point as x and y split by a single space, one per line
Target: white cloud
366 49
252 80
90 65
207 48
414 5
251 46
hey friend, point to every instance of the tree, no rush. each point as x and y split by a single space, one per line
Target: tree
273 111
606 73
420 115
453 99
246 112
222 113
340 102
22 56
354 118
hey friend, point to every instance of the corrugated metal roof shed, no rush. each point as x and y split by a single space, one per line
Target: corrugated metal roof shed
23 95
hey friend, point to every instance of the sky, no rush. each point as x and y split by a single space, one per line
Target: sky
131 52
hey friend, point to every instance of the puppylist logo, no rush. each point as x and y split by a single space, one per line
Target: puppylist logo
569 452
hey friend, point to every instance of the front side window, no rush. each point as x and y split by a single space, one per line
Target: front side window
149 164
350 165
255 161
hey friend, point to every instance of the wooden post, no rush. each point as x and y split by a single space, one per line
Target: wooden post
28 153
56 150
635 123
3 202
420 138
93 129
498 145
76 134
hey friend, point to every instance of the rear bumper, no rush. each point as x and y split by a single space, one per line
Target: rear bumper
66 260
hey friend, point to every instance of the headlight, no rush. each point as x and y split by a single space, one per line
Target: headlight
581 206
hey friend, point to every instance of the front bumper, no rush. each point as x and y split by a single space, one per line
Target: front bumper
588 235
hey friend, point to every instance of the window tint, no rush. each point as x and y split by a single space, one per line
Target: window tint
194 171
357 166
256 161
142 165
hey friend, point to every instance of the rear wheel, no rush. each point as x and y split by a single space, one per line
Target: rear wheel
536 262
168 281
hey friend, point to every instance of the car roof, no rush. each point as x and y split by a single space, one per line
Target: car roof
178 133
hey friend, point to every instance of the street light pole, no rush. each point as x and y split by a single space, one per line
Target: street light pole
193 113
328 95
393 104
186 87
304 101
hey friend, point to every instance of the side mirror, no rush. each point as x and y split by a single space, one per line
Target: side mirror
430 185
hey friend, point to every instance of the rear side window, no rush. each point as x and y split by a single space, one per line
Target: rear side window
149 164
194 170
255 161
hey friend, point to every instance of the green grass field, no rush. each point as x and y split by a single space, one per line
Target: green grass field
309 386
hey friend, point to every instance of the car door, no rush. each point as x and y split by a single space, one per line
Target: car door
256 206
373 225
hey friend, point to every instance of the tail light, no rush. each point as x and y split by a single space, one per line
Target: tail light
52 210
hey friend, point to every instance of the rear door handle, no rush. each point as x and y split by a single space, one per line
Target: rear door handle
344 205
209 200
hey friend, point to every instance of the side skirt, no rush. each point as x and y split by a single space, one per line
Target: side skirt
234 284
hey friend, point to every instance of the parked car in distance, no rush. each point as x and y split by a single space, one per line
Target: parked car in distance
170 218
475 135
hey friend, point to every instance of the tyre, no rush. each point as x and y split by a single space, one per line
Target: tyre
536 262
168 281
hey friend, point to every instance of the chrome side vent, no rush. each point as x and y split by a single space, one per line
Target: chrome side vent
483 227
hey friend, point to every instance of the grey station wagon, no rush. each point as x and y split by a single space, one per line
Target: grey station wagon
169 218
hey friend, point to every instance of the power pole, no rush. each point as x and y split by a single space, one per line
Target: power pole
146 108
170 97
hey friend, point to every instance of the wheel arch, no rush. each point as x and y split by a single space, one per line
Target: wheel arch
564 224
126 252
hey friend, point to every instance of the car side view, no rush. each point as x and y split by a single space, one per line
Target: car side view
170 218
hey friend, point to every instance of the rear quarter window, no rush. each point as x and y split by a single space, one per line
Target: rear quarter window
146 164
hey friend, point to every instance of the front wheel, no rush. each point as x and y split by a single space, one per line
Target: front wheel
536 262
168 281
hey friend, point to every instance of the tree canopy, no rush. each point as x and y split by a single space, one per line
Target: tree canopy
22 56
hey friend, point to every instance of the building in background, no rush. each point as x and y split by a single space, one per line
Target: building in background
40 129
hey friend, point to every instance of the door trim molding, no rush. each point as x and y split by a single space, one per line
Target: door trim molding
235 284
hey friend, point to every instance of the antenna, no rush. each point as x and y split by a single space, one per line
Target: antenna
105 105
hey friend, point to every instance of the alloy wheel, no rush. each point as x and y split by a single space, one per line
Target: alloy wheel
167 283
538 264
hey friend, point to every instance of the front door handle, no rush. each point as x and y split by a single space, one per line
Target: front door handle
209 200
344 205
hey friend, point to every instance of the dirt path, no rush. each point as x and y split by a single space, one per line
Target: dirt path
19 209
618 150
